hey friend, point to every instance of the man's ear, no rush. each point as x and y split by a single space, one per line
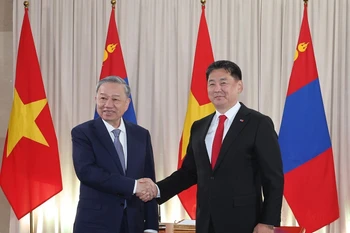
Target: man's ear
128 102
240 86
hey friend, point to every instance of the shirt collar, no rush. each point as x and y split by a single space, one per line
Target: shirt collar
110 128
230 114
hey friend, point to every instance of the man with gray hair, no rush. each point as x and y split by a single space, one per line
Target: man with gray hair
111 156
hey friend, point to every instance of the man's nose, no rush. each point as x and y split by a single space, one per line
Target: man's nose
109 102
217 87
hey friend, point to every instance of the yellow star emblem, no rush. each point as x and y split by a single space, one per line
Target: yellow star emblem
22 122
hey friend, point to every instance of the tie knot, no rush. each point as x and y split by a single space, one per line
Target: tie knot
222 119
116 132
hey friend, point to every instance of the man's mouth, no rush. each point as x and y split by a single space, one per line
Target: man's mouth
107 111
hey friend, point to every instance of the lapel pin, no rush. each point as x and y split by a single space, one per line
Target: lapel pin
241 120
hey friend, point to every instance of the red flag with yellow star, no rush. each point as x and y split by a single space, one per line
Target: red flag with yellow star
199 104
30 172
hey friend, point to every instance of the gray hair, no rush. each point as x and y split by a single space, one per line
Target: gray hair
114 79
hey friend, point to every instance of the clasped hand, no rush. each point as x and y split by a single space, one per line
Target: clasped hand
146 189
263 228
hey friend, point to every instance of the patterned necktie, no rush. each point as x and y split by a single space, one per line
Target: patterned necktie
217 140
118 146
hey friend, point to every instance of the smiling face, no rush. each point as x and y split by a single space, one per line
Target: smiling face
112 102
223 89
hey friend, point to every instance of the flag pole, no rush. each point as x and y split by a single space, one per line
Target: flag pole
113 2
31 227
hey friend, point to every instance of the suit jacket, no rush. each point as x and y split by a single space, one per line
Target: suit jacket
249 163
103 185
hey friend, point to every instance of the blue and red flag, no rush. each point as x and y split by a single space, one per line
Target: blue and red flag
113 61
310 184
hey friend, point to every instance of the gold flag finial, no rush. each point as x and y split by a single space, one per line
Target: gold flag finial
203 2
113 2
26 4
305 2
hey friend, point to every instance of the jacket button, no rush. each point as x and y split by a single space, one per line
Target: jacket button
212 177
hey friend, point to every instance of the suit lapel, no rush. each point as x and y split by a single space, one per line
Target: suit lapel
203 130
105 139
239 122
132 149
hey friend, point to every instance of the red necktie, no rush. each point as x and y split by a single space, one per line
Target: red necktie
217 140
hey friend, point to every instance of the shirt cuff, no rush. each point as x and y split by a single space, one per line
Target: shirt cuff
150 231
158 192
135 186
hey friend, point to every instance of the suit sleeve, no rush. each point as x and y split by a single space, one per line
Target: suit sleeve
270 161
94 176
183 178
151 207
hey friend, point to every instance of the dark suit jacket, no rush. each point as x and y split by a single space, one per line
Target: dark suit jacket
230 194
103 186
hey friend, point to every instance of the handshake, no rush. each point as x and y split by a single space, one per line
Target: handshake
146 189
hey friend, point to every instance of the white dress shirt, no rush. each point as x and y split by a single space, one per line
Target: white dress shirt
123 141
122 137
230 114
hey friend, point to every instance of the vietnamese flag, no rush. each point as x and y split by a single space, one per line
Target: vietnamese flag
310 185
113 62
199 104
30 173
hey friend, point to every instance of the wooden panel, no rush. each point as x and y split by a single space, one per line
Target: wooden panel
289 230
169 228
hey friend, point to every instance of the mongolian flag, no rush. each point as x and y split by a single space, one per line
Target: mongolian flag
113 61
310 185
30 172
199 104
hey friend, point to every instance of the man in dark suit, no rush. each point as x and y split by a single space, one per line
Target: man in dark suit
110 157
233 156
